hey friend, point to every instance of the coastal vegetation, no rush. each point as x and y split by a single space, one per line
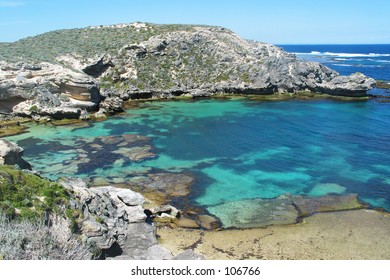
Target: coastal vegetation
36 220
26 195
82 42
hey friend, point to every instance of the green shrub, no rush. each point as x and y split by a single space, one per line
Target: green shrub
29 195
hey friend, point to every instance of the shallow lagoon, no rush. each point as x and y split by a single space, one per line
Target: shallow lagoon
236 149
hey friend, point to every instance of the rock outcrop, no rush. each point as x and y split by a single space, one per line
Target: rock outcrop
207 60
114 221
12 154
49 89
153 61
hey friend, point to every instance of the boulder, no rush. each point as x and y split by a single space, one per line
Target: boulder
129 197
12 154
141 243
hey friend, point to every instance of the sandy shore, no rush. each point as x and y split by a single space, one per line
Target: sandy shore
357 234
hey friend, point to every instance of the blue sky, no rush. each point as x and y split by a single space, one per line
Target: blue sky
273 21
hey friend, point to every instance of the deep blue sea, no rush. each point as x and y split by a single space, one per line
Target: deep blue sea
371 60
241 149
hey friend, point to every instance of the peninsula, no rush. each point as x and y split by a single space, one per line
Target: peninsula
89 72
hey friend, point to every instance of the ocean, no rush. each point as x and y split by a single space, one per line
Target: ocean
239 149
371 60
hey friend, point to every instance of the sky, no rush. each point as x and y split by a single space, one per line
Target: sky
272 21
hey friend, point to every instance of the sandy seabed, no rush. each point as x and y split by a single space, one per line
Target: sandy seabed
356 234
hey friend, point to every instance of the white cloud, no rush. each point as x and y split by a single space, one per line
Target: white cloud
5 4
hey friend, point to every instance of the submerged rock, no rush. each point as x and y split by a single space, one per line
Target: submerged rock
161 187
252 213
326 188
258 212
136 153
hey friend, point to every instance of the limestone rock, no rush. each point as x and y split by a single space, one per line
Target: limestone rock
129 197
225 64
165 209
162 187
354 85
189 255
112 105
98 66
310 205
50 89
114 220
141 243
11 154
186 223
208 222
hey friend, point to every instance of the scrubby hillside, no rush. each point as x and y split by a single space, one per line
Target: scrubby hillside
83 42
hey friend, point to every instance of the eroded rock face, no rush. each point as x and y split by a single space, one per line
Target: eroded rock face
12 154
50 89
114 221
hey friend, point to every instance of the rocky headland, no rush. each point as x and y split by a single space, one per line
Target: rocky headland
90 72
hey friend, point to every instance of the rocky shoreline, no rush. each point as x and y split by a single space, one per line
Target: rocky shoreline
120 224
164 61
111 221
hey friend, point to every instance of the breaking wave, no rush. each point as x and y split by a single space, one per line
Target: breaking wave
345 54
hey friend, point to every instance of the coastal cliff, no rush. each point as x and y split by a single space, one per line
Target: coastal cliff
82 73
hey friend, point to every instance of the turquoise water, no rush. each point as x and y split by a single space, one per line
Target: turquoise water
236 149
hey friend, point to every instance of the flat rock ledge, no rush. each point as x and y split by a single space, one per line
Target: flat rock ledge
283 210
